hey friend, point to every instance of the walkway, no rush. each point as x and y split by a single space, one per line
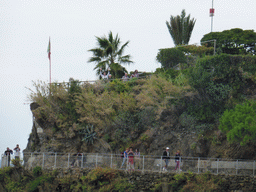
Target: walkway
145 163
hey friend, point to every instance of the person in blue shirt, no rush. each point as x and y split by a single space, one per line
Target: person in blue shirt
125 157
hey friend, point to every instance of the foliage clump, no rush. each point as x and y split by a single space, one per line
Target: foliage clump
196 182
123 110
239 124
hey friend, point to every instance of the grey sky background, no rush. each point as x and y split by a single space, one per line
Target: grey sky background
25 27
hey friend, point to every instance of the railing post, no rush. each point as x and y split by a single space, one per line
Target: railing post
96 159
198 165
217 166
55 160
68 159
253 167
179 162
82 163
143 163
111 160
127 164
236 166
43 162
161 164
5 161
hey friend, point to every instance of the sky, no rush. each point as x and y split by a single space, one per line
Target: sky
26 25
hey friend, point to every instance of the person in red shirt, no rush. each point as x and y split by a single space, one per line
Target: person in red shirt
131 160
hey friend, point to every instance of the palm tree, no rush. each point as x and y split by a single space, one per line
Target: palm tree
109 54
180 28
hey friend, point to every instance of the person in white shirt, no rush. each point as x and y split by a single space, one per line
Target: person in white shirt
104 75
17 152
125 77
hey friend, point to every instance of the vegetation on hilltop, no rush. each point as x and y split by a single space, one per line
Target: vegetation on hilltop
234 41
128 113
121 110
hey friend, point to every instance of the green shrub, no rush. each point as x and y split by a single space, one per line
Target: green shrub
239 124
37 171
43 180
196 182
99 175
119 86
16 162
170 57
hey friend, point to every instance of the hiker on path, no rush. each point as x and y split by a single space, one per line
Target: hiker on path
166 158
177 160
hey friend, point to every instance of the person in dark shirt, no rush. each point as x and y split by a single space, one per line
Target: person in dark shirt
8 153
166 157
177 160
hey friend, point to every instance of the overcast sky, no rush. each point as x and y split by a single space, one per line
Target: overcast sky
26 25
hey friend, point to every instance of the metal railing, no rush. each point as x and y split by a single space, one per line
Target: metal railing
151 163
103 80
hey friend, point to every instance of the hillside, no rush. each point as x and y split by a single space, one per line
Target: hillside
180 109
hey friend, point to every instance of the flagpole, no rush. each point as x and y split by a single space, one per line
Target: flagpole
50 70
49 56
212 16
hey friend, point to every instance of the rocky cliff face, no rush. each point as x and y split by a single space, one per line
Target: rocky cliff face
171 132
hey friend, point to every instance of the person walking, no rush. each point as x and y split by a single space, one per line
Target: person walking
78 159
177 160
125 156
17 152
8 153
166 157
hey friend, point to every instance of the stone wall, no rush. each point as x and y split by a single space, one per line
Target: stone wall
146 181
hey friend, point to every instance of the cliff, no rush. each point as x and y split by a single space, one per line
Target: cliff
180 110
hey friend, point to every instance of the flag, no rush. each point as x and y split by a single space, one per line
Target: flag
211 12
49 50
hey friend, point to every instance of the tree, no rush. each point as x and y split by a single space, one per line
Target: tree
170 57
233 41
180 28
109 54
239 124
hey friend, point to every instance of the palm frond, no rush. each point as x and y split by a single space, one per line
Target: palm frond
108 54
180 28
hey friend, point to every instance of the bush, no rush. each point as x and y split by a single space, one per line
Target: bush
170 57
37 171
16 162
239 124
194 182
